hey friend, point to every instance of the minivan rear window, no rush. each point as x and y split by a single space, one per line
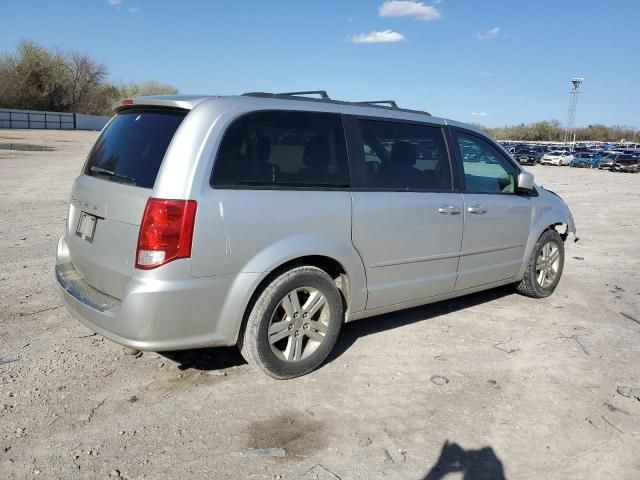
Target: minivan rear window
130 150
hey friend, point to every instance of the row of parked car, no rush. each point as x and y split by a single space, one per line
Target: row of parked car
617 160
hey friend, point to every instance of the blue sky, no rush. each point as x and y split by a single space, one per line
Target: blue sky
493 62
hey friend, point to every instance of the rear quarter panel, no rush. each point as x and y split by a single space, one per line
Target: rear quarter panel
240 231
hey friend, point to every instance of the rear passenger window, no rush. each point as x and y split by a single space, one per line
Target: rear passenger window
276 148
404 156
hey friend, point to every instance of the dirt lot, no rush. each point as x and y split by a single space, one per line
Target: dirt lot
523 388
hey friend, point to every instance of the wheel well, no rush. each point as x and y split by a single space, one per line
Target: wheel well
331 266
561 228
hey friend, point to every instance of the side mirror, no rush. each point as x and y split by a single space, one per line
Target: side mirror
525 182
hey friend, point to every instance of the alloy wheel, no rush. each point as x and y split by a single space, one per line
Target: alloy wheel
299 324
547 264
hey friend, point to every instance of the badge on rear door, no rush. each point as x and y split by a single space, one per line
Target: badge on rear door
86 226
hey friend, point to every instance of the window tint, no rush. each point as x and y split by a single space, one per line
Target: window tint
404 156
486 170
132 147
283 148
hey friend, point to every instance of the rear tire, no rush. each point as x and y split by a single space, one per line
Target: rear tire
294 323
544 268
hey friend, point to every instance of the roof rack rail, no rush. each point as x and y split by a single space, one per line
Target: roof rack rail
323 93
324 97
391 103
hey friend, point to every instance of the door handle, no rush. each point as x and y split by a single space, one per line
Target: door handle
449 210
477 209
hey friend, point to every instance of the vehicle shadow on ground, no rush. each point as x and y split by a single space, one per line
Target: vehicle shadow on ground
226 357
217 358
361 328
481 464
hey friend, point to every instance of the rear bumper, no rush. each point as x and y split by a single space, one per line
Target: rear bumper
157 315
526 161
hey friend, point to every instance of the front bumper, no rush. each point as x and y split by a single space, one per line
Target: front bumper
155 314
625 168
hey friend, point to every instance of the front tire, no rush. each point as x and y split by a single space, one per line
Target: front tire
294 323
544 268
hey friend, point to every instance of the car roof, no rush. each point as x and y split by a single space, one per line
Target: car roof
372 109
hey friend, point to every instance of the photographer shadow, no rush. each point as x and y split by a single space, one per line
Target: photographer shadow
481 464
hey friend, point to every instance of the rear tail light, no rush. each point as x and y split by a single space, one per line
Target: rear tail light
166 232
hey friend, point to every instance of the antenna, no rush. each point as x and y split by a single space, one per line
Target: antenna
576 86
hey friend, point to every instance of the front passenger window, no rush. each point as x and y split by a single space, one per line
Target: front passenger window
486 170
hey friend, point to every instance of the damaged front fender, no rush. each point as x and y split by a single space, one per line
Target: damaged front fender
550 211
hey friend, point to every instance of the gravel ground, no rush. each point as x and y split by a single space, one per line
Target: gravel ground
493 385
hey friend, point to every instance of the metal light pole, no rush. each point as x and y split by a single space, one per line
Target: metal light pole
573 103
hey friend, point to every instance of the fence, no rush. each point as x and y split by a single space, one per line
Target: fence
10 118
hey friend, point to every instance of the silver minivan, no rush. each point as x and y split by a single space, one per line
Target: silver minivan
267 220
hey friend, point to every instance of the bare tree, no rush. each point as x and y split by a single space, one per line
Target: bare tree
85 76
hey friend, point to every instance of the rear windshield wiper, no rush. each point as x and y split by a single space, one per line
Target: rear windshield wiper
111 173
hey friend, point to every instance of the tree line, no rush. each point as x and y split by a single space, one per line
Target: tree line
36 78
553 131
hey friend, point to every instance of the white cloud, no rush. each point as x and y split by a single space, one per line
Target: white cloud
115 2
384 36
552 104
408 8
133 9
479 114
486 74
489 34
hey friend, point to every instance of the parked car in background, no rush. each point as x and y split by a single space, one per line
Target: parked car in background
527 156
606 161
626 163
540 149
557 157
585 160
628 151
581 149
